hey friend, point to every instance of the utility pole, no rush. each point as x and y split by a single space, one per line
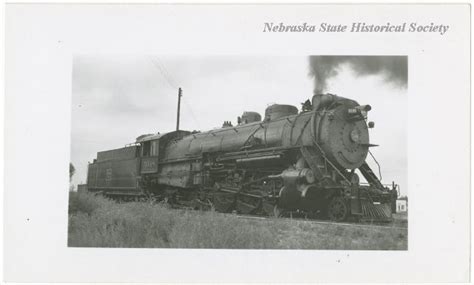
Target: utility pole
180 94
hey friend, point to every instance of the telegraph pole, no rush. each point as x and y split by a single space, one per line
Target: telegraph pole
180 94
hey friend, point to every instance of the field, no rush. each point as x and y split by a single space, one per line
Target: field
98 222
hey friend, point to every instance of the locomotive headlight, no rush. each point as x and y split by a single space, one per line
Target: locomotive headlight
365 108
355 136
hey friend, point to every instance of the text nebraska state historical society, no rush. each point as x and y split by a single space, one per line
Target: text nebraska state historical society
357 27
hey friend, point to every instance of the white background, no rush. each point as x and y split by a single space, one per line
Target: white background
40 42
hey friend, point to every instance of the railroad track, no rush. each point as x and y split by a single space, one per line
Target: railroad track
301 219
360 225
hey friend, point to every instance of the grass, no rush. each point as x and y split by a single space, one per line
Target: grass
98 222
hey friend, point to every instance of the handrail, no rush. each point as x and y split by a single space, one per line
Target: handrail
328 161
368 184
252 135
378 165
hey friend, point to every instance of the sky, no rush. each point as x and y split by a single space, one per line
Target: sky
118 98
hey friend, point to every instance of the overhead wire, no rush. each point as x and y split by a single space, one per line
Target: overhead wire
164 73
172 83
192 114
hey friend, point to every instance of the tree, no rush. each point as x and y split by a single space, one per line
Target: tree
72 170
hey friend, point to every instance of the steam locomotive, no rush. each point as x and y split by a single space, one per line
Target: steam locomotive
290 162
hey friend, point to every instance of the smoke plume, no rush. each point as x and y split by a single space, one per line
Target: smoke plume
394 69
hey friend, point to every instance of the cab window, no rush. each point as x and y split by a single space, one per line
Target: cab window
146 148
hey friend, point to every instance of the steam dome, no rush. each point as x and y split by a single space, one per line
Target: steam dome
276 111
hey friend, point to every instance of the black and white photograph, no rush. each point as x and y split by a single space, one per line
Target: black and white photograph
237 143
245 152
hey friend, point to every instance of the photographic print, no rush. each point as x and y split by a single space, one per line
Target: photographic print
242 143
239 152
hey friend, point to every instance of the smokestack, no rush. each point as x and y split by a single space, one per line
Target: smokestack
394 69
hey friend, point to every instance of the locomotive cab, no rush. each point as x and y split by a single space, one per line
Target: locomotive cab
149 153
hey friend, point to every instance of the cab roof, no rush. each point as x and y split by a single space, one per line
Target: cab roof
158 136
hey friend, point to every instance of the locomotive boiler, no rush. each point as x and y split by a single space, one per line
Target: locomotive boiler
287 162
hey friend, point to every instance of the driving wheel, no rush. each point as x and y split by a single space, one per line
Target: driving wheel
337 209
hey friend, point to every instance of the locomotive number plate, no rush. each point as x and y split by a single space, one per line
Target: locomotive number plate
149 165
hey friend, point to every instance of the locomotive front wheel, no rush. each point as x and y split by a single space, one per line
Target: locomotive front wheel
337 209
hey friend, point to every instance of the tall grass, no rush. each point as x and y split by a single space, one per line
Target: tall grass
123 225
98 222
85 202
211 230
